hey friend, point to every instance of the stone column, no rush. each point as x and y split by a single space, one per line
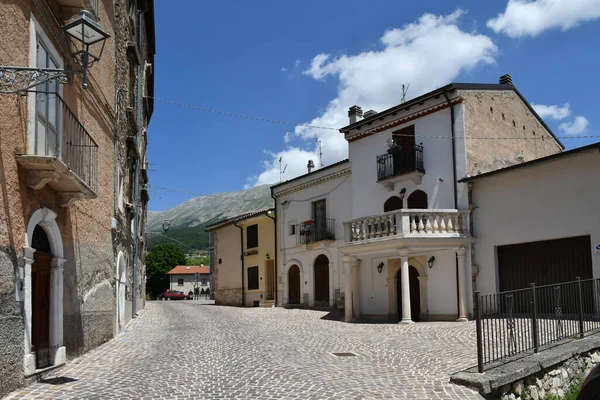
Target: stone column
355 293
347 288
406 317
462 284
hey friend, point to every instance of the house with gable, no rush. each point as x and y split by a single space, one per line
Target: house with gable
389 230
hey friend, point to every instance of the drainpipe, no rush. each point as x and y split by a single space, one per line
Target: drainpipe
275 232
116 159
242 258
452 118
136 194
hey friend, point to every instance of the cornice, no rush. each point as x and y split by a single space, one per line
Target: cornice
315 182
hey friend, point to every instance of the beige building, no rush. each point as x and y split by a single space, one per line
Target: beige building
72 159
188 278
243 260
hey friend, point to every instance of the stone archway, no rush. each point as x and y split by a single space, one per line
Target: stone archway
121 289
286 281
43 232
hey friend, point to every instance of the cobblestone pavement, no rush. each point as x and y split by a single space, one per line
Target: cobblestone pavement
190 350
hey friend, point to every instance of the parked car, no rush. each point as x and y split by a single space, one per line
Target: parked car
174 295
590 390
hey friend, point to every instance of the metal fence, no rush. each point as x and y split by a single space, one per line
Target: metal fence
520 321
323 229
402 161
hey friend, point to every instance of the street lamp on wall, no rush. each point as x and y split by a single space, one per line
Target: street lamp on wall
79 29
380 267
166 225
402 193
431 261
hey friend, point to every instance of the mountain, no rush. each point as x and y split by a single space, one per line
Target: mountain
189 219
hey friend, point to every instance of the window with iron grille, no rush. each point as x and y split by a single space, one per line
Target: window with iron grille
252 278
252 236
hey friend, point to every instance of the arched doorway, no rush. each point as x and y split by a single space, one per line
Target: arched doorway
415 294
40 297
322 281
121 291
393 203
294 285
417 200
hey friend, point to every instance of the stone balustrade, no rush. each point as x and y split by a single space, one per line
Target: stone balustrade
409 223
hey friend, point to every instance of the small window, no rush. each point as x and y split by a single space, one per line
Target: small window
292 229
492 110
252 236
252 278
203 281
180 282
503 117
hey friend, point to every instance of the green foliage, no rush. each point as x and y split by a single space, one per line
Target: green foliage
571 393
190 238
197 261
160 260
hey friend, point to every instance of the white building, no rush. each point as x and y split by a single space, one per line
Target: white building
402 232
186 278
538 222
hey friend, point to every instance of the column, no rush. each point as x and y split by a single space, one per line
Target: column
462 284
406 317
56 311
355 293
347 288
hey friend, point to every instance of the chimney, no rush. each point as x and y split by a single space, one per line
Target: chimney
355 114
506 80
310 166
370 113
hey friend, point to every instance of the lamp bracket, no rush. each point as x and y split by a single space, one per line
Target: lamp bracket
22 79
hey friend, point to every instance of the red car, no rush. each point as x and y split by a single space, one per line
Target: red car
174 295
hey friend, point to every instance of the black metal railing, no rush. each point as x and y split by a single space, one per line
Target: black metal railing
315 231
400 161
521 321
59 133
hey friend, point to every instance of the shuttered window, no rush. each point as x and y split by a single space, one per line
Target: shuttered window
252 236
252 278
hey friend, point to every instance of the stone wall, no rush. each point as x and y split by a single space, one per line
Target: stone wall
553 381
228 297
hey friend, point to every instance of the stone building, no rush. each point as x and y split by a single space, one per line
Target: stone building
72 181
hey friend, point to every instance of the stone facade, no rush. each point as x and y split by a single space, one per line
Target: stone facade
228 297
553 381
83 247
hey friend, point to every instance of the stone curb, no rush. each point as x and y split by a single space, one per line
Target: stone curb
496 377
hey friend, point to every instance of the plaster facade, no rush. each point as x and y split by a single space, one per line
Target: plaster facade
227 273
83 277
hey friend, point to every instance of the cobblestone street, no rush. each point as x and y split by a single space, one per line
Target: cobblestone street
190 350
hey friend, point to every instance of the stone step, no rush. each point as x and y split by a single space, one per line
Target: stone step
267 303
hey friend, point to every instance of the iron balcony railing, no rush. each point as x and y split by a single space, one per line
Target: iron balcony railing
400 161
315 231
522 321
59 133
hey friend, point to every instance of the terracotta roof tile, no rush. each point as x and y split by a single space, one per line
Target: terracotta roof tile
189 269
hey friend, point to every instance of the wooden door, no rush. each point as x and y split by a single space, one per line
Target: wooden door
270 286
320 219
40 278
294 285
322 281
415 294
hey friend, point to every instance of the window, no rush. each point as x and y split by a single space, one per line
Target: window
180 282
292 229
203 281
46 107
252 236
252 278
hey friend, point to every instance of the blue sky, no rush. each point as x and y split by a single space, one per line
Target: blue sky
306 62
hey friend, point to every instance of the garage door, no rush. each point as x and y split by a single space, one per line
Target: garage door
544 263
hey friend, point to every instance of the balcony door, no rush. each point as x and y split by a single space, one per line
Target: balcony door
47 135
319 215
405 139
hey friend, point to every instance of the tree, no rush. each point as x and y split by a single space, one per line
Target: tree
201 260
159 261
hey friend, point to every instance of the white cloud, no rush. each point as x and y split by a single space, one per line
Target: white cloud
576 127
530 18
553 112
427 53
283 69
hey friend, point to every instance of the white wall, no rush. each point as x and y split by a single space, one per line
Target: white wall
552 200
189 282
369 196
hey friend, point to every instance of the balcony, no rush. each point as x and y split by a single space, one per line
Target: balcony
421 224
315 231
400 164
62 154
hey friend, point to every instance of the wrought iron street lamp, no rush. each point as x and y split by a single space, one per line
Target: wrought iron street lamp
79 29
431 261
166 225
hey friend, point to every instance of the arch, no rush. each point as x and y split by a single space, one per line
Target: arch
415 293
417 200
321 280
46 218
393 203
292 262
121 287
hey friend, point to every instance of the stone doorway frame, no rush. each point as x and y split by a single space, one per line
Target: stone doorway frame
45 218
286 281
394 264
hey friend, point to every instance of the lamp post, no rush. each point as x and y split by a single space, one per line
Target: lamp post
166 225
79 29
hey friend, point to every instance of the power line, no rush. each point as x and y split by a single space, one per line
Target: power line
176 191
275 121
175 240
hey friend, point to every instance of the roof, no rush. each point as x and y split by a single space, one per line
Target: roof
189 270
447 89
557 156
312 173
237 218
